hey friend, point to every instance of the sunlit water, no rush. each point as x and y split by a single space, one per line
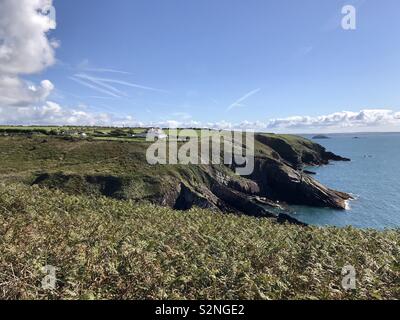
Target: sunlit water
373 178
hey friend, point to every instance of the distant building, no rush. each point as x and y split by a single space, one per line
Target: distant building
69 133
74 133
152 133
156 133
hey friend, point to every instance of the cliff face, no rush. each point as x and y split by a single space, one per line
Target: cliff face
278 176
283 178
297 151
278 181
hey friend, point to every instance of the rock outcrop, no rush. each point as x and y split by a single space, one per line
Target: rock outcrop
299 152
279 181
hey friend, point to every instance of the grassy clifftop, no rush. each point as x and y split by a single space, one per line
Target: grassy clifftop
119 169
108 248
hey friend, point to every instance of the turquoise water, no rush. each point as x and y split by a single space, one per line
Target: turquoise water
373 177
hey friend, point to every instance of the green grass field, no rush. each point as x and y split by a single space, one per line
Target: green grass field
119 139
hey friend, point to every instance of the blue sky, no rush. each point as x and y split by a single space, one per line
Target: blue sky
225 60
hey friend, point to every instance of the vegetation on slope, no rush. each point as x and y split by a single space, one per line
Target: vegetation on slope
108 248
119 169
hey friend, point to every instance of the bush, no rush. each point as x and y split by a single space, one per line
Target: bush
111 249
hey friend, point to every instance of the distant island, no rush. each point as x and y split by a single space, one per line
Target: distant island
320 137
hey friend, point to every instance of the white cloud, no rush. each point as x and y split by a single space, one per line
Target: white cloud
220 125
103 82
238 103
24 49
346 121
16 92
86 66
95 87
248 125
378 119
369 118
52 113
104 70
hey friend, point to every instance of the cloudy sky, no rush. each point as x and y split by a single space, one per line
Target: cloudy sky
271 65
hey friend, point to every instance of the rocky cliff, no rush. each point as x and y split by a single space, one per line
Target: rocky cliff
278 177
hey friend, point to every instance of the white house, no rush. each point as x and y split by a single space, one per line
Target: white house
156 133
152 133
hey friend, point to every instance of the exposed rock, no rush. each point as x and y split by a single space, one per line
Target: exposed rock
331 156
245 186
267 202
315 154
189 198
280 181
303 152
240 201
285 218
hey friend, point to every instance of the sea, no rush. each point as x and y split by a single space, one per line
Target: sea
372 178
